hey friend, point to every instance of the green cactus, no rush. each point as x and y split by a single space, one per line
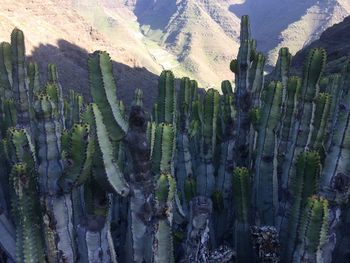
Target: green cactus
313 230
26 208
103 91
166 103
241 200
34 80
163 149
335 163
304 185
79 157
243 94
335 93
163 243
318 136
282 69
5 71
265 177
72 109
205 171
19 76
303 126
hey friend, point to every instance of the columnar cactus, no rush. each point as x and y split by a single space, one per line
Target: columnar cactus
260 167
265 177
205 173
166 103
19 77
242 202
304 185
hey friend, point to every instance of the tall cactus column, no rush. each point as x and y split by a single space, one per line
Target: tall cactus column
57 207
20 81
243 93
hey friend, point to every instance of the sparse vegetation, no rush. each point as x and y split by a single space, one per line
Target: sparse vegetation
257 174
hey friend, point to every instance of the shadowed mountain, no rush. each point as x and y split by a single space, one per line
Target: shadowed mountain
71 62
336 41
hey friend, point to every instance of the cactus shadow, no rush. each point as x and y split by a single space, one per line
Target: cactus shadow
71 61
269 18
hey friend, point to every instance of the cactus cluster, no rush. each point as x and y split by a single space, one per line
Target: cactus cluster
258 173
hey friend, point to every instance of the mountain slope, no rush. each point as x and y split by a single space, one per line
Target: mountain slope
56 33
336 41
195 38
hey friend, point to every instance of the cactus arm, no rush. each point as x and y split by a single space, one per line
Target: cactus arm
265 178
185 93
184 170
205 173
281 72
293 90
305 183
163 149
28 215
103 91
223 184
80 156
34 81
241 201
243 93
114 176
340 141
166 97
314 225
318 135
335 92
19 74
226 87
257 81
163 243
5 71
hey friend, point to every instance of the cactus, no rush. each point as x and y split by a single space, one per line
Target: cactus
205 171
27 210
20 80
241 198
243 93
163 243
282 69
303 127
103 90
312 231
304 185
260 168
265 177
166 102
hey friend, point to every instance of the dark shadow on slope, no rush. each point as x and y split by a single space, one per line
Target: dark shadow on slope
156 14
336 41
270 17
71 61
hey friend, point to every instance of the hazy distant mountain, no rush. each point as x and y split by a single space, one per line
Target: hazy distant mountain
196 38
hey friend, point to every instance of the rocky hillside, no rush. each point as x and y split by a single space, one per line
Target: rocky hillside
336 41
196 38
56 33
203 34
